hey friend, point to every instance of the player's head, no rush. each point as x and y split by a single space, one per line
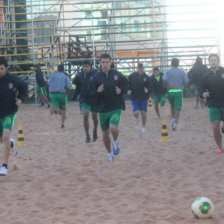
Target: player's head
61 68
213 60
140 68
3 66
86 66
175 62
105 62
156 71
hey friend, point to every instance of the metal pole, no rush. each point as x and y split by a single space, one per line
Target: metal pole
93 41
154 33
32 50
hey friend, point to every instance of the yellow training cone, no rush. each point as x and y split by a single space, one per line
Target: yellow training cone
150 103
21 141
164 133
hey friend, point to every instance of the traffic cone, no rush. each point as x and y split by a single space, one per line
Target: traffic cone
164 133
150 103
21 141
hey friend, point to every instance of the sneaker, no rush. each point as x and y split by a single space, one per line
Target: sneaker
88 139
95 135
62 126
41 105
48 106
143 130
3 171
12 149
116 150
135 121
174 126
219 150
110 158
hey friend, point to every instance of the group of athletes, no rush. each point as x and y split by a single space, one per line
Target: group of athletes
102 93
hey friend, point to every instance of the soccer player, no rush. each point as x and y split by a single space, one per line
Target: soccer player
109 86
158 89
83 82
12 93
139 89
176 79
212 89
58 85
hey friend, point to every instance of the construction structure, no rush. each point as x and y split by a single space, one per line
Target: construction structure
49 32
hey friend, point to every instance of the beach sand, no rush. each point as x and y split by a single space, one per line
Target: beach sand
57 178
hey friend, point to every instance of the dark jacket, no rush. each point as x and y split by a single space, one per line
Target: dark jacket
108 100
136 85
83 87
214 84
158 87
40 78
11 87
196 73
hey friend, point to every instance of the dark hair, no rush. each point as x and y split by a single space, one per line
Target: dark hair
3 61
156 69
175 62
61 68
105 56
213 55
198 61
140 65
86 62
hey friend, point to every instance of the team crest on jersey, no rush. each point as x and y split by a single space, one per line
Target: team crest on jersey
10 85
116 77
223 76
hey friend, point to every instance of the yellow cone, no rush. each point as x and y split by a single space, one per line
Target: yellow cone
21 141
164 133
150 103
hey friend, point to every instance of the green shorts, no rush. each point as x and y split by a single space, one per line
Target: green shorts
42 90
216 114
7 123
108 118
176 100
86 106
160 99
59 100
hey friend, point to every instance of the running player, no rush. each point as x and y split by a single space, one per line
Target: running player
12 93
109 86
176 79
58 84
139 89
83 83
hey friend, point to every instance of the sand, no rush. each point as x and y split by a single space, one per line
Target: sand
57 178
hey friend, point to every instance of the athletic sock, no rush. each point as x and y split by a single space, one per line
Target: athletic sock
5 165
115 143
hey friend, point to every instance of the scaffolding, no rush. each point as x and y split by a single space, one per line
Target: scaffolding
49 32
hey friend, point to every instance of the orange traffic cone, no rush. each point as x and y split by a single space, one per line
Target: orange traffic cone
164 133
21 141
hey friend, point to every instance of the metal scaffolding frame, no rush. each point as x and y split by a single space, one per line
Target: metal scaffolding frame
48 32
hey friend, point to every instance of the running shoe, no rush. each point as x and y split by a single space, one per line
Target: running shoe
116 150
62 126
110 158
219 150
95 135
143 129
41 105
174 126
195 106
88 139
3 171
13 151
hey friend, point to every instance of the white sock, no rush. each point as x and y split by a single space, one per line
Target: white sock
114 143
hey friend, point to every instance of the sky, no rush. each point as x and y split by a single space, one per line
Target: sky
197 15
